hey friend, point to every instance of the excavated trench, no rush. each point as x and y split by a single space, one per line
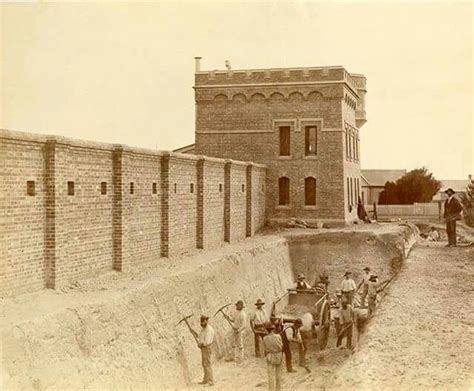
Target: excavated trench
119 331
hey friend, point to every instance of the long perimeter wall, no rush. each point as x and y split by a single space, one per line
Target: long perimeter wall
73 208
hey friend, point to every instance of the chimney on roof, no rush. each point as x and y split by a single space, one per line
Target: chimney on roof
197 64
227 65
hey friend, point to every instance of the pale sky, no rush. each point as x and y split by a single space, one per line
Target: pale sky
123 73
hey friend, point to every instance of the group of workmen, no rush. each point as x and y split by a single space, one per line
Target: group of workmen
277 338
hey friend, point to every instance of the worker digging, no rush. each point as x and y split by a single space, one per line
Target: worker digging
303 313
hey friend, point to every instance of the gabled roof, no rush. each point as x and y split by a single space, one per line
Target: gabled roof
187 149
378 178
455 184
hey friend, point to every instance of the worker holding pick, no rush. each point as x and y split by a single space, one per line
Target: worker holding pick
205 339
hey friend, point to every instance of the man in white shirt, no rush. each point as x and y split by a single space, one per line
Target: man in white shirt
258 322
348 287
239 324
365 286
273 346
205 338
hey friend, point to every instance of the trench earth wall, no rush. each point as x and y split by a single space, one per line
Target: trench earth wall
104 338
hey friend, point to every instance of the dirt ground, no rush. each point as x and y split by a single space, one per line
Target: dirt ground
420 338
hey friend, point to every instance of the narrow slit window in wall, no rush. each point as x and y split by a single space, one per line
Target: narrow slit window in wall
103 188
191 188
132 188
70 188
30 188
154 188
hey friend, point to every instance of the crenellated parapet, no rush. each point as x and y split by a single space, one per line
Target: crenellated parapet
277 76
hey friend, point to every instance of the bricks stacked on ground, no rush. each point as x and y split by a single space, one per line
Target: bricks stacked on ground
73 208
239 114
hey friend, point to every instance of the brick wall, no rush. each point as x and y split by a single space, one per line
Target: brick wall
257 204
22 232
84 217
83 220
141 211
182 203
213 208
238 200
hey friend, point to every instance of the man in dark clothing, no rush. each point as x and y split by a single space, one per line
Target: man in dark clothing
292 334
452 212
346 316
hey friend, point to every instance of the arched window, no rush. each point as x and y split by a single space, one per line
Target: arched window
310 191
283 191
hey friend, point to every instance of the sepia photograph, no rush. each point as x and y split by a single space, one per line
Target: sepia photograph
272 195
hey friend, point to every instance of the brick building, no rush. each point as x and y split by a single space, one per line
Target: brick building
303 123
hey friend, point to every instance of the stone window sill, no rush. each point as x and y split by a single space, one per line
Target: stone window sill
285 157
283 207
309 207
311 157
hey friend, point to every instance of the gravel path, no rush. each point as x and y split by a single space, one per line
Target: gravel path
421 337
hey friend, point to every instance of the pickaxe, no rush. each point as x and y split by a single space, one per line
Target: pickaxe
224 314
185 319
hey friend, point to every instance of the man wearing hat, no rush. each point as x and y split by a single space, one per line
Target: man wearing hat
239 323
301 282
452 212
348 287
346 315
205 338
372 291
292 334
321 286
364 283
273 347
257 323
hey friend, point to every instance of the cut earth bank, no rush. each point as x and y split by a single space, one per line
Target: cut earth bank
118 331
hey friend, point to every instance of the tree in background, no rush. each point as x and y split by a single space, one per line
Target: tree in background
418 185
467 201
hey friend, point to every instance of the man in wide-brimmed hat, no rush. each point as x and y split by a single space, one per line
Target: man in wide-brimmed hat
452 212
348 287
257 322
